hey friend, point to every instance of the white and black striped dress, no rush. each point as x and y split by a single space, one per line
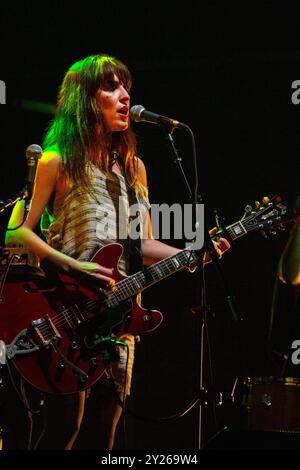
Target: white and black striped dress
82 223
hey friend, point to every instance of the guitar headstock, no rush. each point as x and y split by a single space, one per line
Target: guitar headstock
267 216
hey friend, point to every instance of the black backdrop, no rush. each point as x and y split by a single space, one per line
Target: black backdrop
226 71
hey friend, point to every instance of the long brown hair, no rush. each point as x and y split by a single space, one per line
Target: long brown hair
77 131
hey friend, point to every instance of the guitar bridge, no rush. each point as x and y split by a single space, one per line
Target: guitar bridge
45 330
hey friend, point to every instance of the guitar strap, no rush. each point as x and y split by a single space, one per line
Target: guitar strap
134 242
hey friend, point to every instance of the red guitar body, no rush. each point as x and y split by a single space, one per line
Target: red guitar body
47 325
60 332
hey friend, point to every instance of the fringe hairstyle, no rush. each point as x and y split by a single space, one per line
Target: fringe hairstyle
77 132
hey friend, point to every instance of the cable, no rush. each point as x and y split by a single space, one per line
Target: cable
4 276
29 414
19 394
43 430
162 419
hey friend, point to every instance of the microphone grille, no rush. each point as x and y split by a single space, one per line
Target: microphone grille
34 151
136 111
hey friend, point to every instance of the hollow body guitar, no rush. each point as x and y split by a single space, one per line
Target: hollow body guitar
61 331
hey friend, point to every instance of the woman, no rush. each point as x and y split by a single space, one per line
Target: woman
284 326
82 197
289 263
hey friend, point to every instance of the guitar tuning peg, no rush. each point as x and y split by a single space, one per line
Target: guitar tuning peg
266 200
247 211
257 204
277 198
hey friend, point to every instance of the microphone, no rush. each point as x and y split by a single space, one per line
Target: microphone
139 113
33 154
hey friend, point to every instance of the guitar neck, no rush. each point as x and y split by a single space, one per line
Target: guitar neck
140 281
236 230
158 271
263 218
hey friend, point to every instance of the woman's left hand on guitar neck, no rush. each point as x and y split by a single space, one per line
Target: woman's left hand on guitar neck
221 245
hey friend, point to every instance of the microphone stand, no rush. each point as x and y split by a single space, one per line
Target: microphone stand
208 246
11 202
4 205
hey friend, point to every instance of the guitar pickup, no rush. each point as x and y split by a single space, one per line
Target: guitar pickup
46 331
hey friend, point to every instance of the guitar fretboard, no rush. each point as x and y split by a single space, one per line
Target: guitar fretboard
264 217
236 230
136 283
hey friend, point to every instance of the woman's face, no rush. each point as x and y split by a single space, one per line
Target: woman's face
114 100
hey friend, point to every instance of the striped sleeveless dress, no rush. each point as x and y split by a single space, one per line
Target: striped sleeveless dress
83 222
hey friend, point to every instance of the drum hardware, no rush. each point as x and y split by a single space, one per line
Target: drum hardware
266 400
267 403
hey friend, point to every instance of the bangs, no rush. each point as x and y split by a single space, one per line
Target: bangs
115 67
97 70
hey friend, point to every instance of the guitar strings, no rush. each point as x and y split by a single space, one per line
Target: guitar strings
127 287
123 289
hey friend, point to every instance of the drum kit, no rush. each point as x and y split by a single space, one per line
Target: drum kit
268 403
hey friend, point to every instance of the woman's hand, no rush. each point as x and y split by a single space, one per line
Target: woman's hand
221 245
93 269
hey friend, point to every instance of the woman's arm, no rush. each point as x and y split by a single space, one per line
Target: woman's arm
46 184
289 263
154 250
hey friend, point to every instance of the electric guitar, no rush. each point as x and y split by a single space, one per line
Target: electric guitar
61 331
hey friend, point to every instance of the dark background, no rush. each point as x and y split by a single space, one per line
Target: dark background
227 72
